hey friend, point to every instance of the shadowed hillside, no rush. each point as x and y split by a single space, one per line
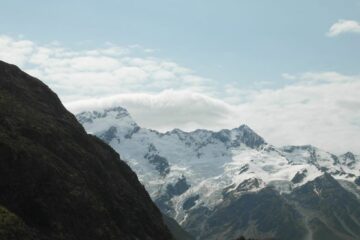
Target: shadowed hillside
57 182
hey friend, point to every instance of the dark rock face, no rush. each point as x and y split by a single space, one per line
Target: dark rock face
108 135
190 202
161 164
334 212
178 232
163 201
320 209
350 156
57 182
260 215
248 184
132 132
247 136
310 149
299 176
244 168
178 188
357 181
349 159
222 136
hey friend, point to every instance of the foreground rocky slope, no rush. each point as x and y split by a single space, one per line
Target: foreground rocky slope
220 185
56 181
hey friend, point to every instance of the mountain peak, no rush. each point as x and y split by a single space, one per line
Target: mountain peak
113 112
350 156
244 134
327 177
245 127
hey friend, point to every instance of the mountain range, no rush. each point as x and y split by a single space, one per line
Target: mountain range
61 180
223 184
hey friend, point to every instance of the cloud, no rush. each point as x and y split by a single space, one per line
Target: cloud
319 108
344 26
288 76
320 77
326 115
166 110
16 52
105 71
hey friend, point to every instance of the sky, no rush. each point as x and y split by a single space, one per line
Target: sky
288 69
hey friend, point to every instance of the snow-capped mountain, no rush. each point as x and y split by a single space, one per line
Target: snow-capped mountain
186 172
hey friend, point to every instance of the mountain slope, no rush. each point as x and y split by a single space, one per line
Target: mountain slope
196 177
329 209
177 231
57 182
263 214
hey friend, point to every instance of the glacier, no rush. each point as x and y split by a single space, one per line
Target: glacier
189 170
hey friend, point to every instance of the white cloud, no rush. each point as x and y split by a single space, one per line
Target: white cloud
319 108
102 72
288 76
166 110
326 115
344 26
16 52
320 77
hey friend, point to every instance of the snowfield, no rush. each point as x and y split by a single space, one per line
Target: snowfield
184 170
